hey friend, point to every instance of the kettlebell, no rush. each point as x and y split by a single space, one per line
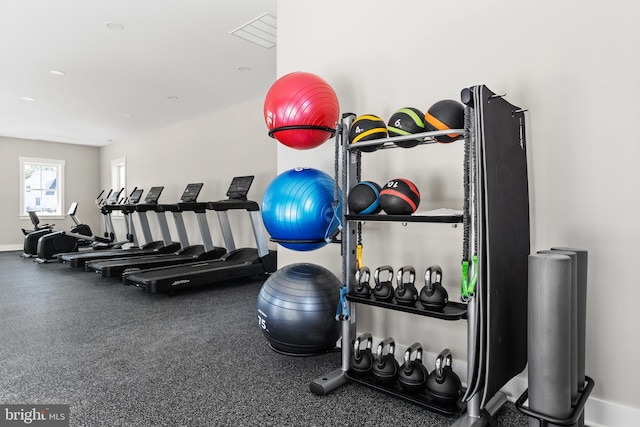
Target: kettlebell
385 367
433 296
406 292
413 375
383 291
363 289
362 358
443 384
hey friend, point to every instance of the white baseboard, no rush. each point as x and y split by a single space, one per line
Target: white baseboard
597 412
6 248
600 413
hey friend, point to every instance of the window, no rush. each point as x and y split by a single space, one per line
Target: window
41 186
119 178
118 173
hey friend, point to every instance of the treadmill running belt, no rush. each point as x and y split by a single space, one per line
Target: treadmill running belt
171 279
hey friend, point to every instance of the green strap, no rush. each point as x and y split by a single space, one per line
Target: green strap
465 280
468 287
471 290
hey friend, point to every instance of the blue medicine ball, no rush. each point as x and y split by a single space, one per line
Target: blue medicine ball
297 208
364 198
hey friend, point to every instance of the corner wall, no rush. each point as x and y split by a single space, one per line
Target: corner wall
574 65
211 149
82 183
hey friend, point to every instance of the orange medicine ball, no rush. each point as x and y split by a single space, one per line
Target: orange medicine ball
444 115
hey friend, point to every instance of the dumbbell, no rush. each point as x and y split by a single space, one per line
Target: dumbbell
433 295
362 358
385 367
406 292
413 375
363 289
443 384
383 291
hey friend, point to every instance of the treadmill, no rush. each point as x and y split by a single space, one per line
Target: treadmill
79 259
187 253
237 263
107 206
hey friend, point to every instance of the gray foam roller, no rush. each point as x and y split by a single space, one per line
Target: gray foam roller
574 322
549 335
583 258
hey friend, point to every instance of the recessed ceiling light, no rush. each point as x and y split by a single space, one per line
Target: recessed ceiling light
114 26
27 98
244 69
127 115
57 72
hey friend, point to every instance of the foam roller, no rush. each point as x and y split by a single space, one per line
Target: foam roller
549 336
582 267
574 322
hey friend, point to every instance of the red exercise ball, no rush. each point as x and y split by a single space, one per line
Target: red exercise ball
301 110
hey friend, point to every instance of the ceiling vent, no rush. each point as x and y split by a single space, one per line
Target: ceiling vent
260 31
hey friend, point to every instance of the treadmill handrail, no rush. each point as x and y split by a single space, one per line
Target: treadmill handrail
145 207
233 204
172 207
198 207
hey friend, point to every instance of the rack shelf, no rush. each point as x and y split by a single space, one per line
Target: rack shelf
390 142
452 311
423 399
449 219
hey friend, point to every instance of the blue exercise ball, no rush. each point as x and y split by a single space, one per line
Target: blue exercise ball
296 309
297 209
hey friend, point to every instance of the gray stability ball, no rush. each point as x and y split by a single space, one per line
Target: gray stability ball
296 309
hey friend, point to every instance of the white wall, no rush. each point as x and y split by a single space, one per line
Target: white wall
81 185
573 64
211 149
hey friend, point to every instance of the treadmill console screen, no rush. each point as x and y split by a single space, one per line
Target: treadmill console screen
72 208
190 193
239 187
113 199
153 195
135 196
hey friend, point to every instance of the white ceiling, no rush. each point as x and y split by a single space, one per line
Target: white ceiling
172 61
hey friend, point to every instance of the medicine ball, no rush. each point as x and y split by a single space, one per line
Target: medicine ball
303 100
297 208
364 198
296 309
443 115
367 128
399 197
406 121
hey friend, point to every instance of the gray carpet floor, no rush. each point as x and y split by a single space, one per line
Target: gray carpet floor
120 356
